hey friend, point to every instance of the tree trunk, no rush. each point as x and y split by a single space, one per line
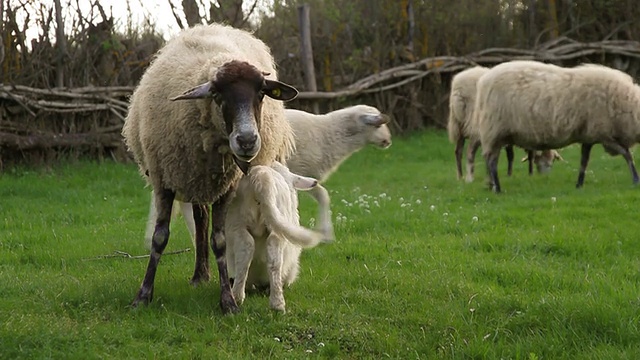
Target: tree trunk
308 70
554 30
191 12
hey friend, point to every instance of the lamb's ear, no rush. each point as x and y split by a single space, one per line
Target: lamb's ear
557 156
279 90
374 120
201 91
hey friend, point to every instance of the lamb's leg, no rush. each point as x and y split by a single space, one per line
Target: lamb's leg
471 158
201 223
531 154
509 150
151 222
458 152
244 248
187 212
275 253
325 225
584 161
492 169
164 202
218 244
613 148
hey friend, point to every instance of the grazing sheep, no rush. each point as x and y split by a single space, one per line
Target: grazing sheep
542 106
323 142
263 231
460 126
190 148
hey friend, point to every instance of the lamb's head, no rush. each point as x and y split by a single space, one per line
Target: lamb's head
295 181
544 160
371 125
238 88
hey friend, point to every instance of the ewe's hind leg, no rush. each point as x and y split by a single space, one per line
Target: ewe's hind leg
584 161
509 150
614 149
471 156
458 152
200 214
164 202
275 253
218 244
243 250
491 159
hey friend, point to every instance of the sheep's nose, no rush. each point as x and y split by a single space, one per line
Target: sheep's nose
247 141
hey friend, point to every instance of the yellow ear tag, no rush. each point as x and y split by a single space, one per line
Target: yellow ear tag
276 92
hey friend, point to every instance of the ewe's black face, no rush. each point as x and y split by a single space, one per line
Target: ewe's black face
239 88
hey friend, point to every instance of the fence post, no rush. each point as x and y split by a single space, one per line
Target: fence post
306 52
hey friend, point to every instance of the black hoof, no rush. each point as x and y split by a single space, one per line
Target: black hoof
143 297
228 304
199 278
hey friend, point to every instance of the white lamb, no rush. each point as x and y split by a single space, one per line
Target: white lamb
264 236
542 106
460 127
323 142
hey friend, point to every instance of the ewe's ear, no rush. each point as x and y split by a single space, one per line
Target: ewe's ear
201 91
374 119
279 90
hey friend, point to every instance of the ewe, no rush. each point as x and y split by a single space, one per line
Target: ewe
263 231
189 148
460 127
542 106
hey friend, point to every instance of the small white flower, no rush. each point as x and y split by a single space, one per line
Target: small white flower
432 207
401 199
418 202
376 203
321 344
475 219
445 214
553 199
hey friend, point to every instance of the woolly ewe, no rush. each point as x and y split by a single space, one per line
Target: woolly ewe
189 148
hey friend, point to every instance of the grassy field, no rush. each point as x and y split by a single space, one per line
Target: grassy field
423 267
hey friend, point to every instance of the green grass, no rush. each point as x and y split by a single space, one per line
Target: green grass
423 267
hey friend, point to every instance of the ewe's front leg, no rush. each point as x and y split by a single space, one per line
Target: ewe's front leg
201 223
218 244
275 253
164 202
584 161
325 225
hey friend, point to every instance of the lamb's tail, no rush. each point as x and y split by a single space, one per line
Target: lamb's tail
278 222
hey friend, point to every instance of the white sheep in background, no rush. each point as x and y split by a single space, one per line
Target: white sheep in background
264 236
542 106
189 148
460 126
323 142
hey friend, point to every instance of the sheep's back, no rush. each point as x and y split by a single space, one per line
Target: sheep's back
536 105
461 102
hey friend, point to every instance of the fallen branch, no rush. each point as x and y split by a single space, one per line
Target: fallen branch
122 254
